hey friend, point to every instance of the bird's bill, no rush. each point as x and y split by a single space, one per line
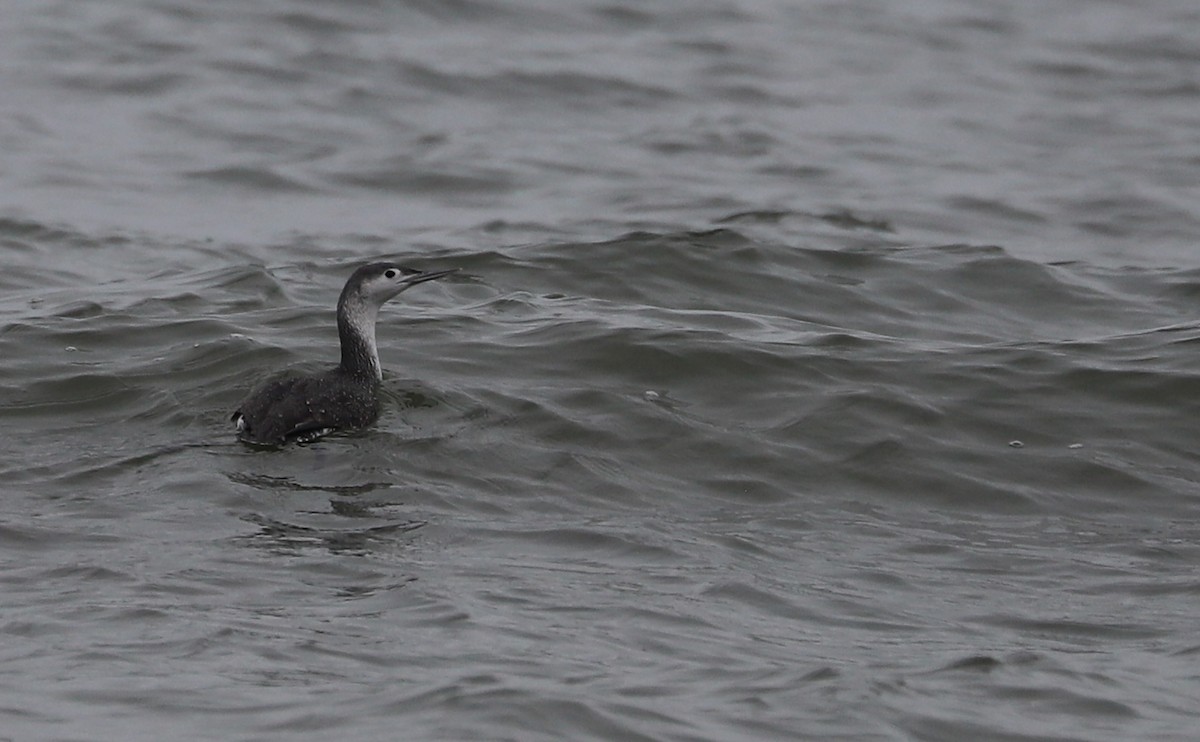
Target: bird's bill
422 276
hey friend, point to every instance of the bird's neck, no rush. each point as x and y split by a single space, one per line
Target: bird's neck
356 330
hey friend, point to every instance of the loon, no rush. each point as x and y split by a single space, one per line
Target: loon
301 408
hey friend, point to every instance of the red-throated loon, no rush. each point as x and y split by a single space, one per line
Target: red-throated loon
303 408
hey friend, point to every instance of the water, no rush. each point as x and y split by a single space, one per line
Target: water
814 370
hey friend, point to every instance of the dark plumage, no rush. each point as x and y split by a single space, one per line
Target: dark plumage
293 407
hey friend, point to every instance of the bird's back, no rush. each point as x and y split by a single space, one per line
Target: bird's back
295 407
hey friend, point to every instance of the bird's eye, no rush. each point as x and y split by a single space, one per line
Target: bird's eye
390 273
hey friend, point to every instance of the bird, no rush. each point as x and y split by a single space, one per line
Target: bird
302 408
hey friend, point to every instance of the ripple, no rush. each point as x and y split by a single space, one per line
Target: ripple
255 178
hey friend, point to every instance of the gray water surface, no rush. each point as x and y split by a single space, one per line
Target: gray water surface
813 370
